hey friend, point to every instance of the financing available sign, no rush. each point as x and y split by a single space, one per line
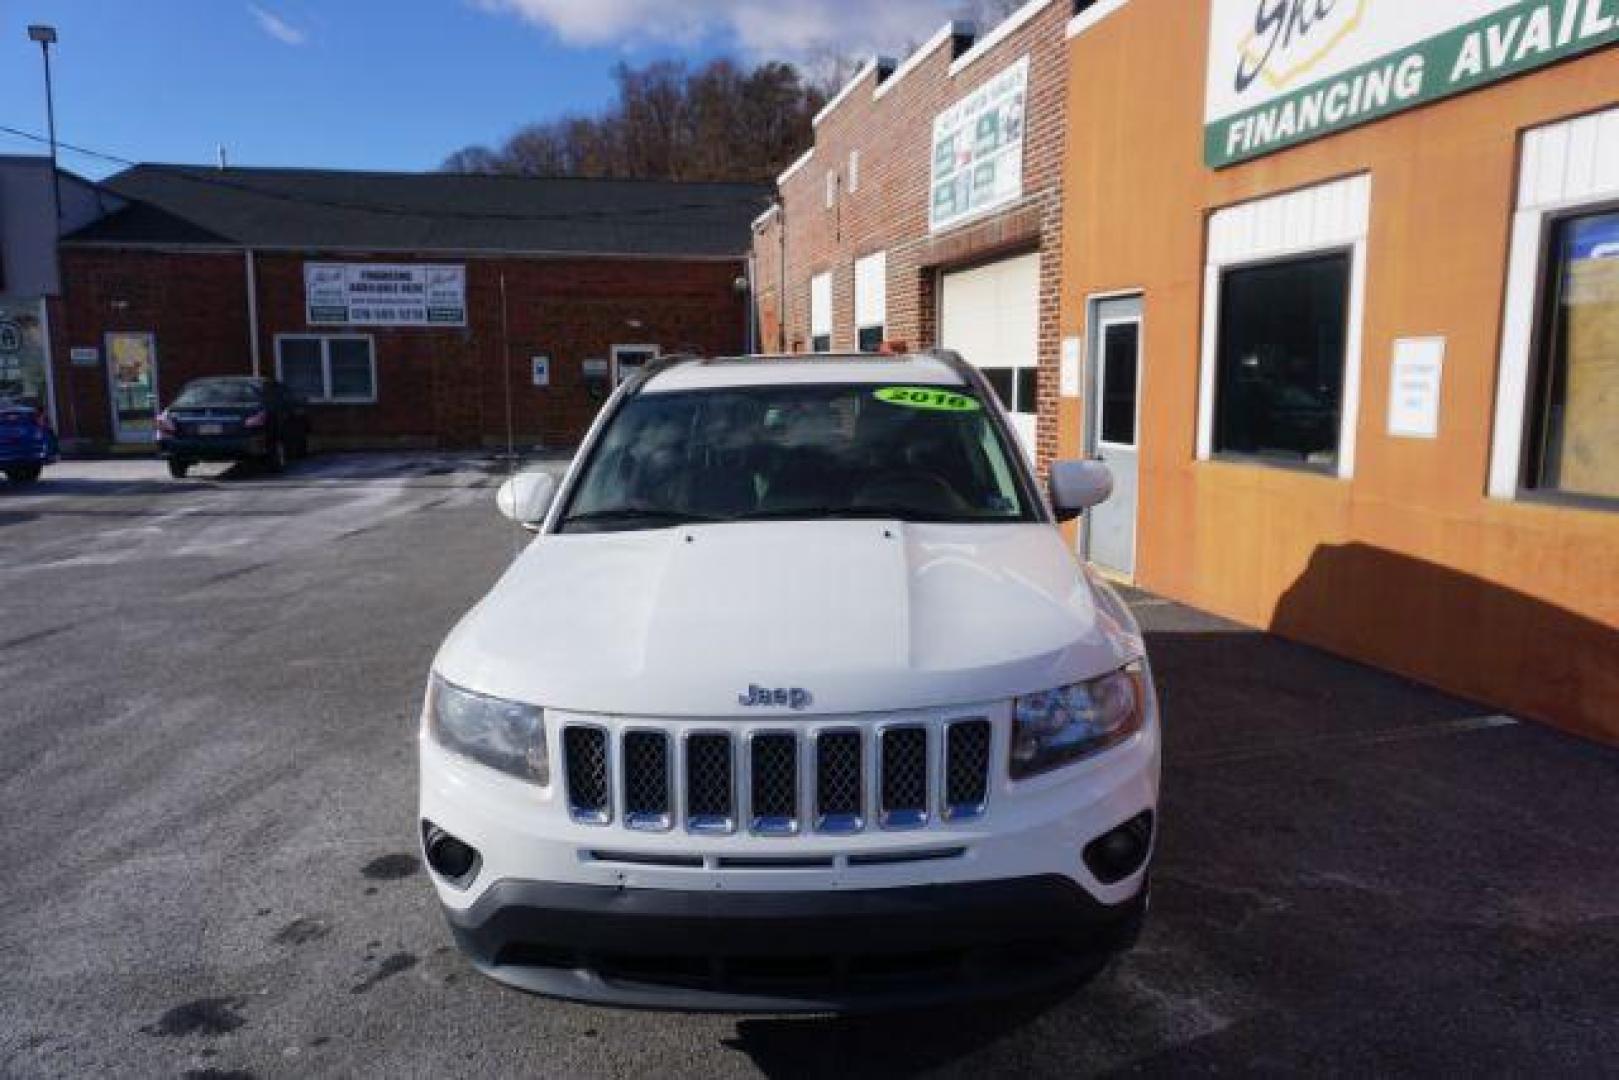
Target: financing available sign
385 294
1282 72
978 149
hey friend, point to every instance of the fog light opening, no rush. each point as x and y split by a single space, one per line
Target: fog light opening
1117 854
451 859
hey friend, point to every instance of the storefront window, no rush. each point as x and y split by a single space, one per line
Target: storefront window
1280 373
1576 429
23 371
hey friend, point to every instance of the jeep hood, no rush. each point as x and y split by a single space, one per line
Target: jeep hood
867 616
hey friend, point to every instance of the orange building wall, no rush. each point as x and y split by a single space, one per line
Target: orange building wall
1409 565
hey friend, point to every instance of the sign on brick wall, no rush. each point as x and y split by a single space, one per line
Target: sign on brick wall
978 149
385 294
1285 71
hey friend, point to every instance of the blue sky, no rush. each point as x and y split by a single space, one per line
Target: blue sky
383 84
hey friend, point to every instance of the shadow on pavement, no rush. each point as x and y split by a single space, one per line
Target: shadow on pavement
885 1044
1461 631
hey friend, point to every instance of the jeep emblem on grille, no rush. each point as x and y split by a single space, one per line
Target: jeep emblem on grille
792 697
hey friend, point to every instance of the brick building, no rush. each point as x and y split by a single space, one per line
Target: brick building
411 309
1348 292
929 212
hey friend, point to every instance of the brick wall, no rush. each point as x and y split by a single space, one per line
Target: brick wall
435 386
889 212
194 302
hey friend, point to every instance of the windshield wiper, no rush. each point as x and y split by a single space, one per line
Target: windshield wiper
632 516
865 512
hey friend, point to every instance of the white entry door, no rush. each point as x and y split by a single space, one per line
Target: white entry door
1112 430
990 314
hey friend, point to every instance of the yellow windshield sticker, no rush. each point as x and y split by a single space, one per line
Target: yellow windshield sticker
928 397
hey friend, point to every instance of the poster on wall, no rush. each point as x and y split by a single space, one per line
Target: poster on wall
978 150
1282 72
385 294
24 371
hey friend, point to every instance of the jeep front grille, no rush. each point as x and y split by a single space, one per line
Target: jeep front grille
836 779
647 801
585 749
710 795
904 786
839 782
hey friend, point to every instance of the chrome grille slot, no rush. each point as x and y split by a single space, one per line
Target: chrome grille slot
903 782
839 779
773 785
585 757
648 797
966 769
710 789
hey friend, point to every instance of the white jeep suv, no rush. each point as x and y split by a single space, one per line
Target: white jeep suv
798 701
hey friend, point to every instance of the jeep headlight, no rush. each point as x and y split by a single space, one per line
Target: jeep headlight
504 735
1058 727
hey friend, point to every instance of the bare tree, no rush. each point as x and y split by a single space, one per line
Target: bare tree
718 122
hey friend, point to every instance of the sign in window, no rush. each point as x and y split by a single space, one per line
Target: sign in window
1575 429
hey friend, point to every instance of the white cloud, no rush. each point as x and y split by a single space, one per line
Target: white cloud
277 27
775 29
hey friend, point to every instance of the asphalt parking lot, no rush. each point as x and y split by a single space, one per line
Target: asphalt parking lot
208 692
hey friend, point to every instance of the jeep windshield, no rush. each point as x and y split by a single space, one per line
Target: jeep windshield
799 452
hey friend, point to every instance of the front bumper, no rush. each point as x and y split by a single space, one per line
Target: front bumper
792 951
27 453
212 447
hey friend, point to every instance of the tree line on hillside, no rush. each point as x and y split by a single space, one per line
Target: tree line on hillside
670 122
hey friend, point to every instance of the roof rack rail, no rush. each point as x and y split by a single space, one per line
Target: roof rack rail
653 368
953 360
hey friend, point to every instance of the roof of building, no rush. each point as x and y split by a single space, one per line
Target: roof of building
322 209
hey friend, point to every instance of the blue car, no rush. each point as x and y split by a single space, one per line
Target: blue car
27 443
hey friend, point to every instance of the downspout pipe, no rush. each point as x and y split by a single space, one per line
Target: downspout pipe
251 268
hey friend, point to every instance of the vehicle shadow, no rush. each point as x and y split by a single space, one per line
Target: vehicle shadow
886 1044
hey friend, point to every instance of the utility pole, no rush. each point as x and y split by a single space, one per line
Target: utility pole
46 36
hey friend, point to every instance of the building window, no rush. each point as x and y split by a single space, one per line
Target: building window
854 171
1121 356
871 301
821 313
1574 423
831 188
339 368
1280 365
1017 387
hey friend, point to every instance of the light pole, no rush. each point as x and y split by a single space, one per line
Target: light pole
46 36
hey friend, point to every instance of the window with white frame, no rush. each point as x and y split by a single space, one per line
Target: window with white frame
821 313
1557 399
831 188
854 171
1284 290
332 367
871 301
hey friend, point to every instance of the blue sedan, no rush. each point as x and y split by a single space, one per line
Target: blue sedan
27 443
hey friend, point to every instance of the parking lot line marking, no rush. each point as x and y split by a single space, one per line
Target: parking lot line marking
1367 738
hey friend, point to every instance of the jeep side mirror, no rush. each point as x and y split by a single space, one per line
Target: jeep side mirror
1076 486
526 497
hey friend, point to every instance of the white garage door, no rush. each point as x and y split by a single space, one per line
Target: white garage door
991 316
